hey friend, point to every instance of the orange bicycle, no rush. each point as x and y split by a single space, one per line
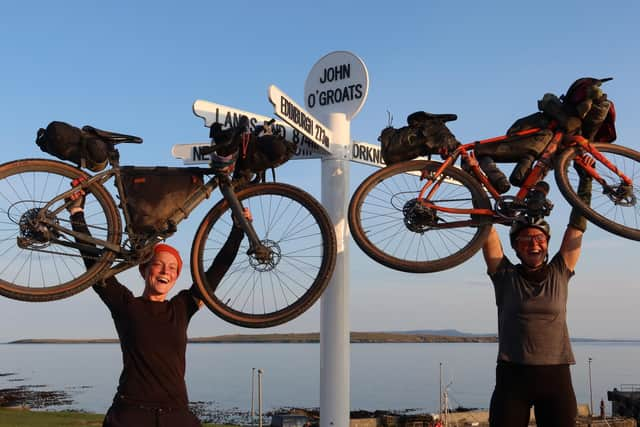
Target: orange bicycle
423 216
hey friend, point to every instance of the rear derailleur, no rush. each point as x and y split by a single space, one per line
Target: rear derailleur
35 234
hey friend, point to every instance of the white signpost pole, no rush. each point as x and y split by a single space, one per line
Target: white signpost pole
334 303
335 91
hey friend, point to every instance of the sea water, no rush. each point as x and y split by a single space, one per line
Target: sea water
383 376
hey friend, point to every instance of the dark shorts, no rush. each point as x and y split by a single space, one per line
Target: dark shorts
124 414
547 388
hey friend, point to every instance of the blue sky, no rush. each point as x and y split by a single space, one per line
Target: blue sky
137 67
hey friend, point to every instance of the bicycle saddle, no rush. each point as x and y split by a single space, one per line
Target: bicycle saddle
112 137
422 116
443 117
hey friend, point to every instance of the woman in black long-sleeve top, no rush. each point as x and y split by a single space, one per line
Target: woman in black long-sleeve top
153 334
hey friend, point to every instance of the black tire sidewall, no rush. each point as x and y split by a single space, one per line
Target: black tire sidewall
307 299
480 200
110 210
562 163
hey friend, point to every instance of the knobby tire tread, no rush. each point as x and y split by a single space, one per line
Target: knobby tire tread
480 200
85 280
310 296
563 162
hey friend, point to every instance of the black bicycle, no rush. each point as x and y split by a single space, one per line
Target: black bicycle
285 260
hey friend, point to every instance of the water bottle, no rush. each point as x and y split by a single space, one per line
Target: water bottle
495 175
521 170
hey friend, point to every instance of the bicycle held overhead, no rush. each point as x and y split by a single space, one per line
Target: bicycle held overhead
427 216
286 256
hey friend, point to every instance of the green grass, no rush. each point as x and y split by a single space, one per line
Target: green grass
18 417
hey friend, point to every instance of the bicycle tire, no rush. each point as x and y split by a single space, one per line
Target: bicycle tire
620 216
43 270
381 228
292 223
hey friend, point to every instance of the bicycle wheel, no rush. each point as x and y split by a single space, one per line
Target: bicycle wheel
390 226
38 262
614 207
256 295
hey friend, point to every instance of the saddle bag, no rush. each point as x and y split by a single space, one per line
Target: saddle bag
70 143
424 136
153 194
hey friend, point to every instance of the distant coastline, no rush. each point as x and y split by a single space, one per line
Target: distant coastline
314 337
298 338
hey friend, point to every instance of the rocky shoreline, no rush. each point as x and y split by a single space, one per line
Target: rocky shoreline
33 396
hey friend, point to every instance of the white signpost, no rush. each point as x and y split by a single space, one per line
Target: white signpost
299 119
229 116
335 91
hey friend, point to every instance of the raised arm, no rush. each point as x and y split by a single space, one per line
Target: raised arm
572 240
223 260
492 251
571 244
79 224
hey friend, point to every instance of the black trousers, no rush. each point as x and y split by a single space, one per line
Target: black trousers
547 388
131 415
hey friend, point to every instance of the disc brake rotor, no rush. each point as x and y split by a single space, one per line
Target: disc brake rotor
270 260
622 195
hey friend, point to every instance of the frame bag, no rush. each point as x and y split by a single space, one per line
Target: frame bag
153 194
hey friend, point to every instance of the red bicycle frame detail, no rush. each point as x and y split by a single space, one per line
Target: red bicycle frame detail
584 143
539 171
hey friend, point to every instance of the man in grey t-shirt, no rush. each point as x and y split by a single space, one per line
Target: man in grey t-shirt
534 349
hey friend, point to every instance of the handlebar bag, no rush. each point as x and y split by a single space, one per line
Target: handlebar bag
154 194
70 143
262 153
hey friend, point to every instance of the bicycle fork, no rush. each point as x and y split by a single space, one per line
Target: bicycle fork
620 193
256 247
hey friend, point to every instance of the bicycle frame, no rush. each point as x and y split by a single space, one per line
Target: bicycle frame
131 257
542 166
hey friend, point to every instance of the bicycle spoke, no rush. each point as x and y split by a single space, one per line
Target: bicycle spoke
614 205
392 226
37 258
256 288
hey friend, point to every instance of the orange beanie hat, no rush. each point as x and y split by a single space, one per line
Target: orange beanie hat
163 247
